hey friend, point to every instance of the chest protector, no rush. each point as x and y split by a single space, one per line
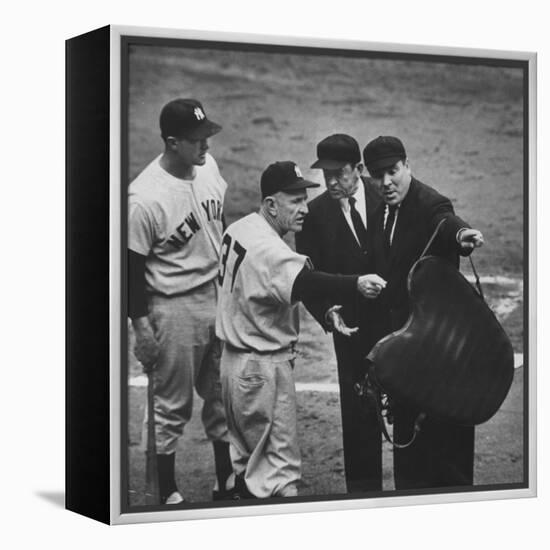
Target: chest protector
452 359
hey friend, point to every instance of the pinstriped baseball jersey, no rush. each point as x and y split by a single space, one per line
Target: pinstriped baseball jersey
257 272
177 224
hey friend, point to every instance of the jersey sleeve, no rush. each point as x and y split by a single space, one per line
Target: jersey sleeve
141 233
283 265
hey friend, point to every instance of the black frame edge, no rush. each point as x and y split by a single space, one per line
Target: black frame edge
87 448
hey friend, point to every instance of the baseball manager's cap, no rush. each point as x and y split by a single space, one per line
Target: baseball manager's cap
336 151
383 152
283 176
185 118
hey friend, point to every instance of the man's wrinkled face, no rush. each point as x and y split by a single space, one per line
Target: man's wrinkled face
342 182
291 210
394 182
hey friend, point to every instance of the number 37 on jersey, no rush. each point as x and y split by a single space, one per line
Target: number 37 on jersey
232 256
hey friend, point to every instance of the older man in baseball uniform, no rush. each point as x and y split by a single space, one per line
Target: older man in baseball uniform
262 279
174 235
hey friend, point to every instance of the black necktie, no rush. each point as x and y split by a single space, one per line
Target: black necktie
358 225
389 226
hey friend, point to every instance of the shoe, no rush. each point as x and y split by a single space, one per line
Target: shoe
241 491
174 498
225 494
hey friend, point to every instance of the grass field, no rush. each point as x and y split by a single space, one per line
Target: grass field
462 126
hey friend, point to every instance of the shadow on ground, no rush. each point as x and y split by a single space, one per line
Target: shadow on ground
54 497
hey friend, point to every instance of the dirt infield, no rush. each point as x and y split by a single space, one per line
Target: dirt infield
498 448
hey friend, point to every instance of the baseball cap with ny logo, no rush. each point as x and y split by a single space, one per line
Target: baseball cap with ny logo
186 119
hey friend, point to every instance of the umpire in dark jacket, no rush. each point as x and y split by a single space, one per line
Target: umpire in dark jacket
442 455
335 236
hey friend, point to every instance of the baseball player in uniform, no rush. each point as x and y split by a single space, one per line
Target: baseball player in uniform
174 235
261 280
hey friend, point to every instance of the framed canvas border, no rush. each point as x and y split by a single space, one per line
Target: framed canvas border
120 37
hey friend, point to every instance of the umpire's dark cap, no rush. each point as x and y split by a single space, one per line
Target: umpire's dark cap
186 118
283 176
336 151
383 152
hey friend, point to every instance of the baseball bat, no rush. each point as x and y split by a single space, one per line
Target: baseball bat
152 492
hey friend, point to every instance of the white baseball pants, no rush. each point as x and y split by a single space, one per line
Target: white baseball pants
189 358
260 401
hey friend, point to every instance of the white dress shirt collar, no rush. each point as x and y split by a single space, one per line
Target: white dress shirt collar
359 196
360 206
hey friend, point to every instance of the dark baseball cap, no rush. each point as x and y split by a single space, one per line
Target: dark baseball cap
336 151
383 152
283 176
185 118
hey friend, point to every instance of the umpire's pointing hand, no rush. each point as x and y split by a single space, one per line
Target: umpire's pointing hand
470 238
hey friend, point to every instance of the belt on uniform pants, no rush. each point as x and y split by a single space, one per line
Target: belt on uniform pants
283 353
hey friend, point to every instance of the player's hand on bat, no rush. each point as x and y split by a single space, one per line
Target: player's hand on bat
370 285
146 348
336 322
470 238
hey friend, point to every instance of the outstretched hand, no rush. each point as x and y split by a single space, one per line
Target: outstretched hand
370 285
336 322
470 238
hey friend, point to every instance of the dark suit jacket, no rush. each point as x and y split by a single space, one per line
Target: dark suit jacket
330 244
419 213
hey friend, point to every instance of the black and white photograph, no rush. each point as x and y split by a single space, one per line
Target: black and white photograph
279 277
327 274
